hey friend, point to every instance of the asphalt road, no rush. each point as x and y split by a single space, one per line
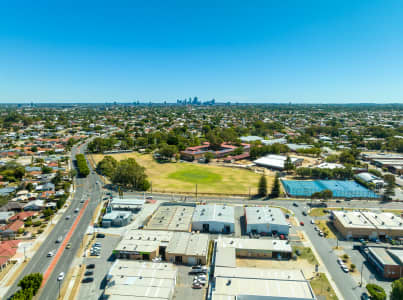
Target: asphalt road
346 284
85 188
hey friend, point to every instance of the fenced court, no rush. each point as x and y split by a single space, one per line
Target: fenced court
340 189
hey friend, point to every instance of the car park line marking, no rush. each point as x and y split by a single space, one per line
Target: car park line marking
66 240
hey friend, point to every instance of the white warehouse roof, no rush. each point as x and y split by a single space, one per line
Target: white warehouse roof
214 213
265 215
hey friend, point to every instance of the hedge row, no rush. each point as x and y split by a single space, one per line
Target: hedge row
82 166
29 285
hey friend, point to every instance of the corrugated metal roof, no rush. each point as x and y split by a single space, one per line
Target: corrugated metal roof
214 213
265 215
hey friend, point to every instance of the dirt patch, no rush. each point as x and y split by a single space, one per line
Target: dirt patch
307 268
17 273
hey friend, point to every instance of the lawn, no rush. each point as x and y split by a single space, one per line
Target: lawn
183 177
321 287
326 227
307 253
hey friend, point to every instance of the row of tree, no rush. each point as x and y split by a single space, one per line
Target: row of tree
126 173
320 173
261 150
29 285
82 166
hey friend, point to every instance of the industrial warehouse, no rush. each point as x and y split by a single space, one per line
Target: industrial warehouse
177 247
172 217
140 280
255 283
257 248
213 218
188 248
364 224
265 220
388 262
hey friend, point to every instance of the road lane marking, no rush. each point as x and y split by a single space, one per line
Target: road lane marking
66 240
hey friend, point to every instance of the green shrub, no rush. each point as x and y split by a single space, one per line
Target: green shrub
376 292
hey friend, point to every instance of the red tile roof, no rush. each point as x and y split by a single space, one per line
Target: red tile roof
23 215
15 225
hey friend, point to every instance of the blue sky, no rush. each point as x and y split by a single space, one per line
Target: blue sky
247 51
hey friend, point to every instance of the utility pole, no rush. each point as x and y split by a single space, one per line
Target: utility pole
196 192
151 183
249 193
59 289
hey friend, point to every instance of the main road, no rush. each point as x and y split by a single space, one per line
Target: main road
85 188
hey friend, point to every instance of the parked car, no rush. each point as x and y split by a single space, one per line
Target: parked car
282 237
295 204
90 266
339 261
196 286
76 210
87 279
100 235
304 213
364 296
89 273
345 269
198 271
68 246
51 253
312 222
59 239
60 277
321 233
67 217
301 223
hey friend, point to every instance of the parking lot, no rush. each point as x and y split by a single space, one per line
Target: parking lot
93 290
183 289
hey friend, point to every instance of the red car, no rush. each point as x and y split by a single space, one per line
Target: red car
301 223
282 237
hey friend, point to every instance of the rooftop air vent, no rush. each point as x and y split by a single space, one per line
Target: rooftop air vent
220 214
259 218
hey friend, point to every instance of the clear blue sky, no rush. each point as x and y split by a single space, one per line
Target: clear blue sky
249 51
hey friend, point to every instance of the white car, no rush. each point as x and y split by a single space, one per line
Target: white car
60 277
67 217
76 210
50 254
340 261
345 269
312 222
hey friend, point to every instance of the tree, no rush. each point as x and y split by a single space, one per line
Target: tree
46 170
275 191
208 156
82 166
29 285
397 290
167 151
389 191
107 166
327 194
238 151
262 187
376 291
130 174
215 141
57 179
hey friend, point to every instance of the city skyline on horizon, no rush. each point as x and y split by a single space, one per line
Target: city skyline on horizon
259 52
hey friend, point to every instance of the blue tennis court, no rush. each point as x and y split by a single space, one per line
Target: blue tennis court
339 188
